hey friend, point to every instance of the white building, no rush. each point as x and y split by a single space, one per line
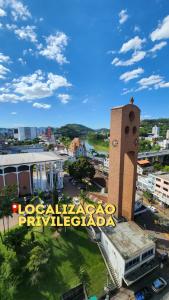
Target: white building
32 171
146 183
156 131
106 162
161 188
157 184
144 166
27 133
167 134
164 144
129 251
77 148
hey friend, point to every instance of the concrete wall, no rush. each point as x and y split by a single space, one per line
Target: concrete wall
115 258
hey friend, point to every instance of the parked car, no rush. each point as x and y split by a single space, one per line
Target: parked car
163 257
144 294
120 219
152 208
158 284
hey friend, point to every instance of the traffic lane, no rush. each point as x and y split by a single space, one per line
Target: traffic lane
153 221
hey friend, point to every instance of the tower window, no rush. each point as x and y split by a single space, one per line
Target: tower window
134 130
127 129
131 116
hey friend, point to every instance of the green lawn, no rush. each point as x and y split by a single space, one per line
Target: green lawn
71 250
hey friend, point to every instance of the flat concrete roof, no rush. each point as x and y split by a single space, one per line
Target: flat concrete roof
129 239
164 176
28 158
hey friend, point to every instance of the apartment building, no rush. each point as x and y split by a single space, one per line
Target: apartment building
161 188
27 133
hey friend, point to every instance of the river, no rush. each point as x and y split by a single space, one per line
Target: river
92 147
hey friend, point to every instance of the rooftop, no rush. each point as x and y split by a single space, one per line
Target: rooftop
164 176
28 158
143 162
129 239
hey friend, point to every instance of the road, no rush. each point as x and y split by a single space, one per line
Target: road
127 293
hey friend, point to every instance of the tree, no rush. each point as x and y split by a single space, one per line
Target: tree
82 169
144 145
157 166
84 277
37 264
8 195
9 277
15 237
148 196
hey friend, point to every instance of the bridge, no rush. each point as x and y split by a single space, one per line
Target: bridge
153 156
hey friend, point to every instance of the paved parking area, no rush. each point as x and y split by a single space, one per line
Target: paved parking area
127 293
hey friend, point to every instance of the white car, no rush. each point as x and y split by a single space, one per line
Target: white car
152 208
158 284
76 201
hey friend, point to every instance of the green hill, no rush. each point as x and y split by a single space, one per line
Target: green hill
74 130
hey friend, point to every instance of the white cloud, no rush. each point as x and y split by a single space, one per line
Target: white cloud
143 117
133 44
22 61
2 13
4 58
55 45
151 80
17 8
32 87
127 91
162 31
158 46
14 113
3 71
136 57
26 33
163 84
64 98
127 76
41 105
136 28
123 16
85 100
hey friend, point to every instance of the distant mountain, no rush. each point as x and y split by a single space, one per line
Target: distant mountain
103 131
74 130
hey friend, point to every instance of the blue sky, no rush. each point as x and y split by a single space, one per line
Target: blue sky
65 61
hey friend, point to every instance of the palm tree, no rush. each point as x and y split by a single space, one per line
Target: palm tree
38 261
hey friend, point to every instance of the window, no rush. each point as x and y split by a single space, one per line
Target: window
132 263
134 130
166 182
157 185
132 116
147 254
165 189
158 179
127 129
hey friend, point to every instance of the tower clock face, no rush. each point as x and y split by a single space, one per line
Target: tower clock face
115 143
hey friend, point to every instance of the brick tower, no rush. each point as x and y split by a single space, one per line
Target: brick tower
124 133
